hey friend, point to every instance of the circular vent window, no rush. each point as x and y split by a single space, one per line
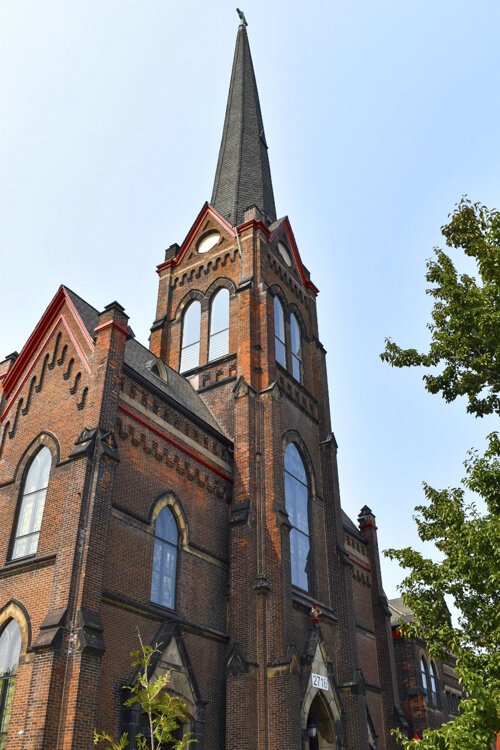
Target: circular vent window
208 241
285 253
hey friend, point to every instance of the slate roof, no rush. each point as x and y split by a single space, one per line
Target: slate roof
137 357
399 611
350 525
243 175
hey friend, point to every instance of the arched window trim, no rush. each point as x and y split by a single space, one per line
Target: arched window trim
190 350
218 340
300 537
279 331
165 558
31 506
296 347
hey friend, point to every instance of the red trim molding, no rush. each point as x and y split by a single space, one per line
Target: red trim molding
175 443
207 210
291 237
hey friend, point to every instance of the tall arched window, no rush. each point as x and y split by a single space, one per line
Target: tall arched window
219 325
191 326
434 685
165 559
296 348
297 507
279 333
32 505
10 649
423 675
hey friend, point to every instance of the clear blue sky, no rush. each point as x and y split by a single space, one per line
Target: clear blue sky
378 115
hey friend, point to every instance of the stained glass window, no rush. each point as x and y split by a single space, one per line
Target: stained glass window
297 506
165 559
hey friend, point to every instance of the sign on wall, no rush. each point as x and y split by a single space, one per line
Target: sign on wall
319 681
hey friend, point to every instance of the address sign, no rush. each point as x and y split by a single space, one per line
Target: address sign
319 681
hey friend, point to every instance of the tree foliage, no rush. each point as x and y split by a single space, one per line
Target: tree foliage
466 315
164 712
466 342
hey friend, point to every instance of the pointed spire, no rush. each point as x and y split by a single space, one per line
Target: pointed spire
243 176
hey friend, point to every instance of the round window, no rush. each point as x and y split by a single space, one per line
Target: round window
285 253
208 241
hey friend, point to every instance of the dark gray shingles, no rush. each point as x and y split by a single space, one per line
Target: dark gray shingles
350 525
88 314
243 175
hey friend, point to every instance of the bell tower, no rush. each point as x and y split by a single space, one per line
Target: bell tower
236 315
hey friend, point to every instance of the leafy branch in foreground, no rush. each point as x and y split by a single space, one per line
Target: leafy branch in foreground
164 712
466 315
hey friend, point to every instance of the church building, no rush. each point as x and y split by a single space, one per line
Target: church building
188 490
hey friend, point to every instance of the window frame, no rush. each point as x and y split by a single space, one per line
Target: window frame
192 305
434 685
279 312
212 334
424 678
8 683
297 530
165 545
296 352
36 513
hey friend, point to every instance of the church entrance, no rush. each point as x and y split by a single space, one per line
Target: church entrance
320 725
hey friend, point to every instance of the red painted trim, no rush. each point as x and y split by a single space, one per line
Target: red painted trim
254 224
175 443
112 324
360 563
207 210
307 282
61 319
33 343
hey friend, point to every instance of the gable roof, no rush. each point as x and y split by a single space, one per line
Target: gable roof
138 359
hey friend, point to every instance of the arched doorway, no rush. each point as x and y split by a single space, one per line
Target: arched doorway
320 725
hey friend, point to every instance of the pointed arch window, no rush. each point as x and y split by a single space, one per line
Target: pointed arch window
297 507
434 685
165 559
296 348
219 325
425 682
191 326
10 650
279 332
32 504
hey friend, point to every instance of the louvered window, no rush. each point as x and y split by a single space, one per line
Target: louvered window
191 326
279 333
219 325
32 505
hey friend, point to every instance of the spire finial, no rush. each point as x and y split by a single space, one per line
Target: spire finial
242 17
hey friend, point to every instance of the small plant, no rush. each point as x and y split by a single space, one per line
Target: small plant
164 712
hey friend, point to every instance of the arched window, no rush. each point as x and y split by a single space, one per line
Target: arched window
219 325
10 649
279 333
165 559
191 325
297 507
434 685
423 675
296 348
32 505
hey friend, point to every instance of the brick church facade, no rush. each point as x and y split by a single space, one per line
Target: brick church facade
189 490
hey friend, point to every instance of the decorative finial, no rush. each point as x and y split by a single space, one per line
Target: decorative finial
242 17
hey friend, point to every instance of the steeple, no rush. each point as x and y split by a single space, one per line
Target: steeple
243 176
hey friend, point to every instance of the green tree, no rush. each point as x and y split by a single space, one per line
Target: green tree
165 712
466 344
